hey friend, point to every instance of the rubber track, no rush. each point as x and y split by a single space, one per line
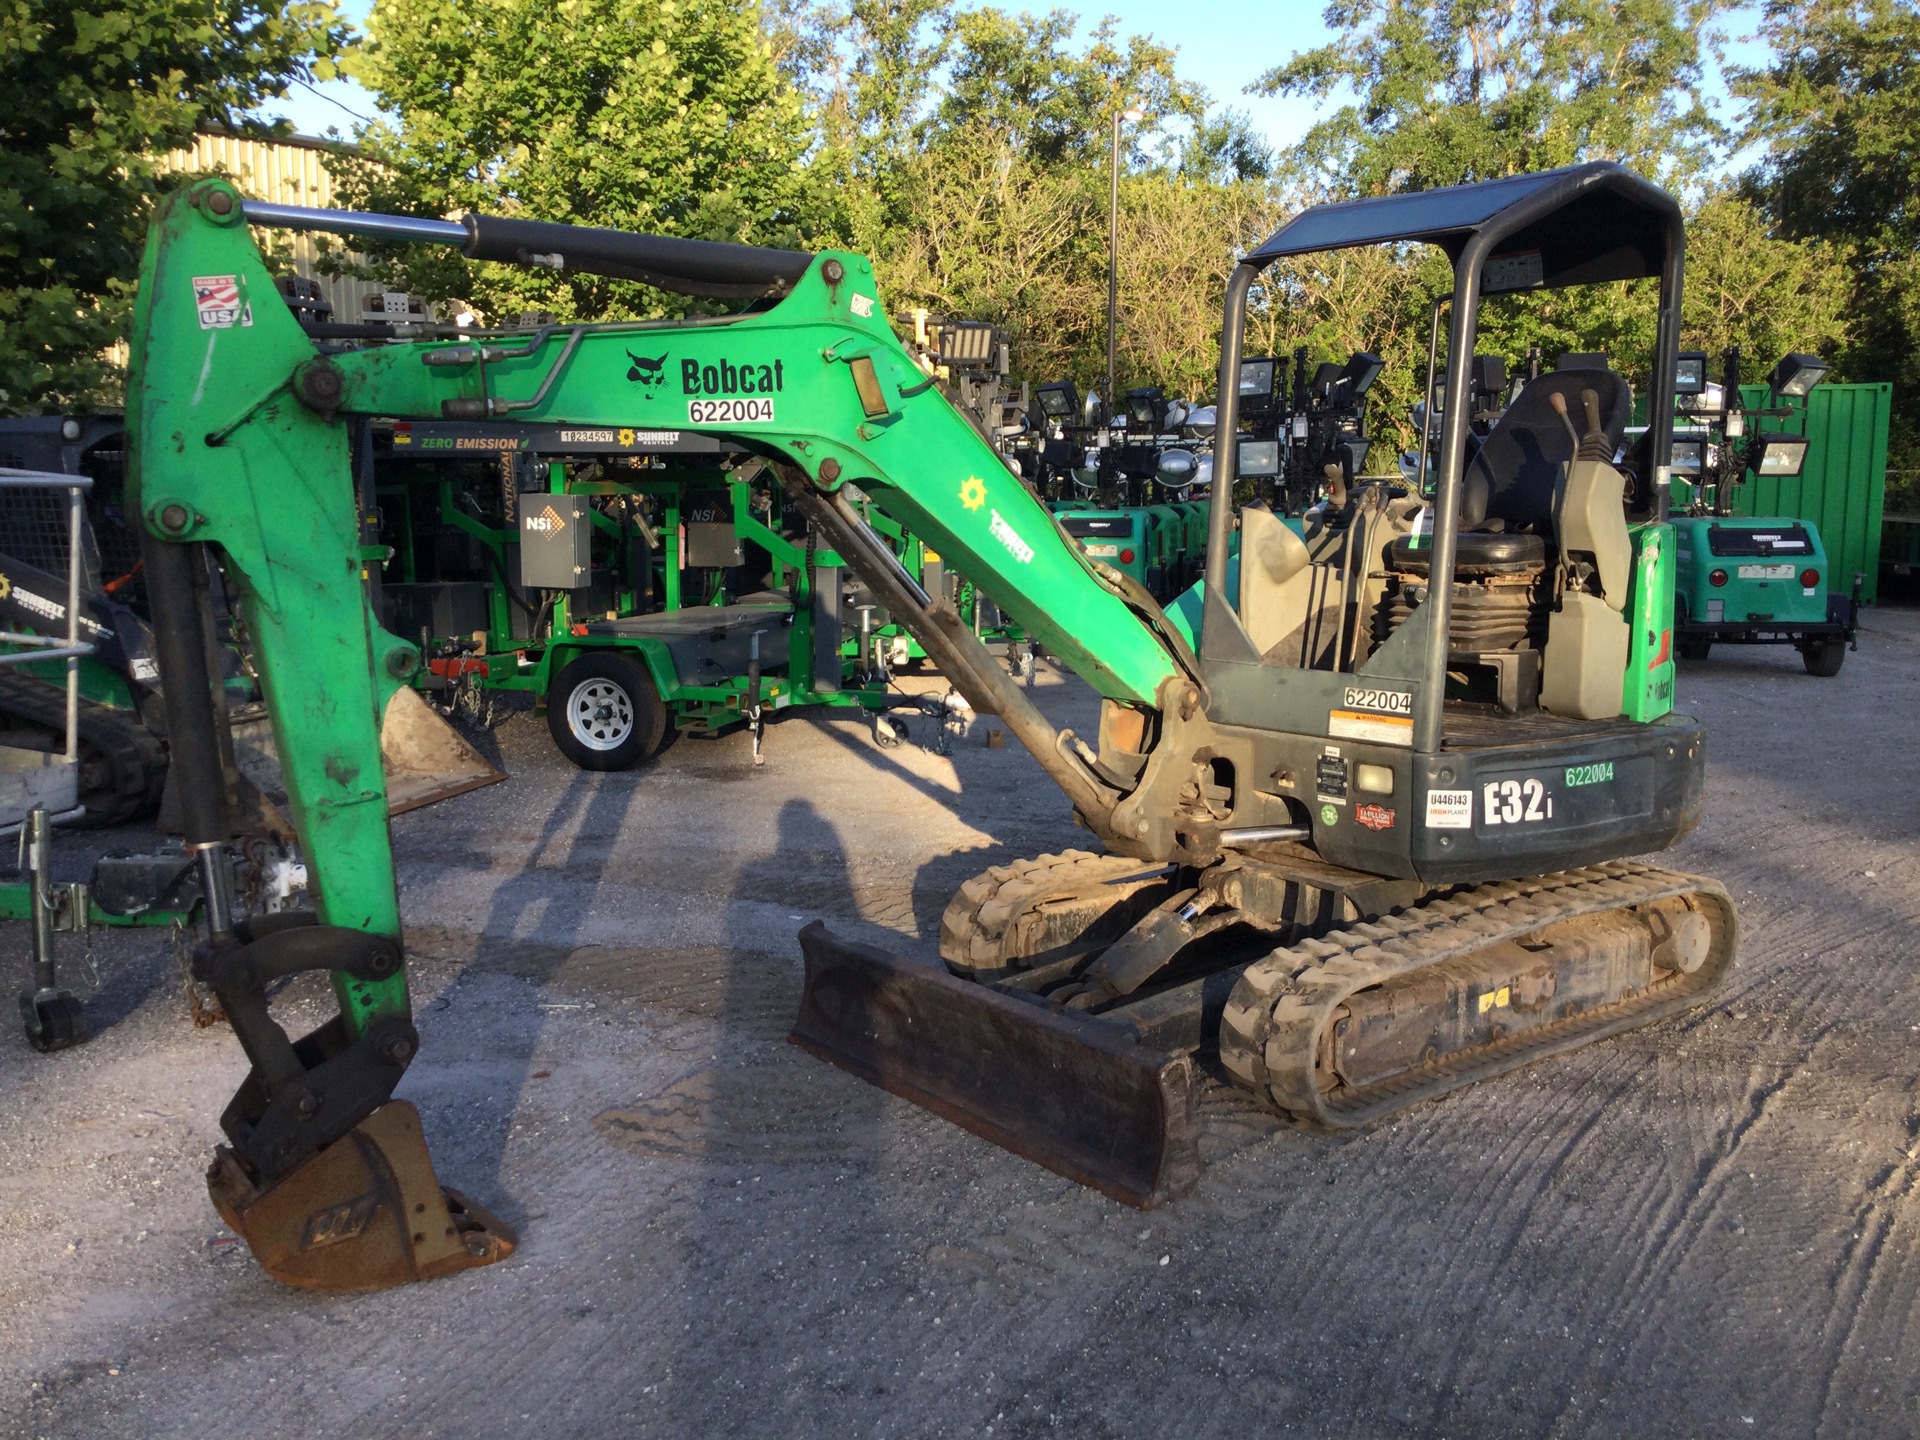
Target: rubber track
125 761
1270 1033
980 936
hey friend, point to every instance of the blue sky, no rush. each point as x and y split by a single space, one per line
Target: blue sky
1224 45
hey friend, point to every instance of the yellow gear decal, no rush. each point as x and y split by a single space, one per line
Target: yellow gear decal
973 493
6 587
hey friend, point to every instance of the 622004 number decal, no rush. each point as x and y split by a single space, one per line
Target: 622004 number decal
1392 702
1515 802
727 412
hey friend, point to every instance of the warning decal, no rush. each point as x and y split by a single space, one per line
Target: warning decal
1381 729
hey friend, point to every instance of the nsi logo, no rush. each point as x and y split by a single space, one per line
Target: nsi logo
649 373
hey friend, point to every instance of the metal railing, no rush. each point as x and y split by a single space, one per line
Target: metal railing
33 647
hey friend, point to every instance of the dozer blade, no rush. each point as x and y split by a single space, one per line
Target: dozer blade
424 758
366 1213
1060 1088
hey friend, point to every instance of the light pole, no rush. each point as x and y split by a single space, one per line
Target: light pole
1132 117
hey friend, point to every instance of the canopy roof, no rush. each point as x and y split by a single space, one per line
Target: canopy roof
1586 223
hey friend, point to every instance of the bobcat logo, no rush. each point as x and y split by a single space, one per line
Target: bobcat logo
649 373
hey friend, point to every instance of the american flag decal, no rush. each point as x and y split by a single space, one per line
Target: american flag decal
217 298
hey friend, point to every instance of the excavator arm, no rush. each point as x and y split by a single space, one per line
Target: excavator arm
240 438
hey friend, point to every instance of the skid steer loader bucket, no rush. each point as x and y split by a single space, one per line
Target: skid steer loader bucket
1060 1088
424 757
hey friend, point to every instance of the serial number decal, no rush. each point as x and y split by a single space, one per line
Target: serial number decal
1103 552
1450 809
1391 702
728 412
1589 774
1515 802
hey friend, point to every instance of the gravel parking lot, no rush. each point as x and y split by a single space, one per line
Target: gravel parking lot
1705 1228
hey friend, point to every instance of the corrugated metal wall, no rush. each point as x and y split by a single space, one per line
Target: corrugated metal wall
1843 487
290 172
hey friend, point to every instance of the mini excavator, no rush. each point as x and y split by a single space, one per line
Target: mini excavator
1360 804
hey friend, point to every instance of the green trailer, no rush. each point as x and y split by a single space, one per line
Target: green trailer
631 590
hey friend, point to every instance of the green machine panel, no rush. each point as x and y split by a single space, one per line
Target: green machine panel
1843 487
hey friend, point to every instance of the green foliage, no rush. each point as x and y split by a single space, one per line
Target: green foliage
1839 110
97 91
1747 287
1457 90
664 116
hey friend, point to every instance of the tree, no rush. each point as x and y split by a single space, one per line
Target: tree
97 92
1018 75
1457 90
1748 287
1452 91
663 116
1839 110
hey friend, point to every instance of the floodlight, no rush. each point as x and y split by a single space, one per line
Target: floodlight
1690 373
1177 468
1777 456
1059 400
1362 369
1689 455
965 342
1146 408
1796 374
1259 458
1256 379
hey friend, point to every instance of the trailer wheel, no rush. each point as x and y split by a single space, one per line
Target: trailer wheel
1693 649
605 713
1824 657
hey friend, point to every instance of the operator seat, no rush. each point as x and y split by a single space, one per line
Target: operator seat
1509 483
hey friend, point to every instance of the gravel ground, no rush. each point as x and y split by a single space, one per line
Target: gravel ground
1705 1228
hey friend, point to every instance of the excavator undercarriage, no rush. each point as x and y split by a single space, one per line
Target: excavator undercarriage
1331 995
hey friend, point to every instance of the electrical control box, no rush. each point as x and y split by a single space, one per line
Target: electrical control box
555 536
712 540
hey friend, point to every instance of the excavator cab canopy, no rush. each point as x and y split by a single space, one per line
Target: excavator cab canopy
1585 224
1579 225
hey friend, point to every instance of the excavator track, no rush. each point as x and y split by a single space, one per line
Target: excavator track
123 766
1297 1018
1011 917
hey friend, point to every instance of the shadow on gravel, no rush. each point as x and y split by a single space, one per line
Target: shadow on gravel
761 1112
599 803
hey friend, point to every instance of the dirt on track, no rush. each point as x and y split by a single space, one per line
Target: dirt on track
1705 1228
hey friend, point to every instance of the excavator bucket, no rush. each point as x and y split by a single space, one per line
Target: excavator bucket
366 1213
424 757
1065 1090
